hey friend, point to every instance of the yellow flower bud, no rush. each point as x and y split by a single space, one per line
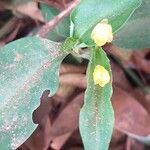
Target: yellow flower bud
102 33
101 76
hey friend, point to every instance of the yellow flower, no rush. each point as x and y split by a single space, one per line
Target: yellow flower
102 33
101 76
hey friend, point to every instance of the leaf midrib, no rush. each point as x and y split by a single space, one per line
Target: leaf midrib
19 88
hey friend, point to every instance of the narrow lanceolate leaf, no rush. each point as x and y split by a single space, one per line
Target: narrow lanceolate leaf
27 67
90 12
97 116
136 32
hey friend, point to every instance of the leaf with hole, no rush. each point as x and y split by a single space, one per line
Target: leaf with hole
27 67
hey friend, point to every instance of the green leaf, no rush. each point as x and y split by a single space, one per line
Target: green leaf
136 32
27 67
90 12
97 116
61 31
48 12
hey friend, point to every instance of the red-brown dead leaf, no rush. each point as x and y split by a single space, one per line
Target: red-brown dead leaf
68 119
73 79
139 59
130 116
133 144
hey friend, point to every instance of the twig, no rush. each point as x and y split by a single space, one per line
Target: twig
52 23
68 68
74 79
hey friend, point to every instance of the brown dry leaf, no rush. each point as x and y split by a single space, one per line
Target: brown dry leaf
11 36
4 4
143 98
59 141
40 138
46 106
119 77
73 79
121 53
118 140
133 144
74 142
76 148
130 116
60 4
140 61
67 68
30 9
117 136
68 119
65 91
2 43
9 26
